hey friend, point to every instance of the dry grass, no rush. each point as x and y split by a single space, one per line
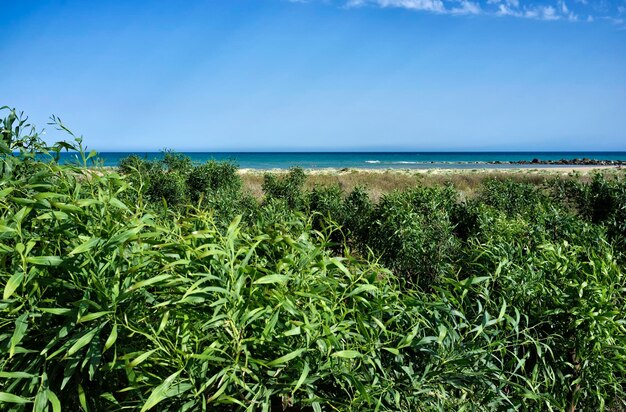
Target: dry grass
380 182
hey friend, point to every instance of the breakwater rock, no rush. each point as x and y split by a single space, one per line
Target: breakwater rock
564 162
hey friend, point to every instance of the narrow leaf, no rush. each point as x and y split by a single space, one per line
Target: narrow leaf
21 324
86 246
159 393
45 260
10 398
346 354
111 339
286 358
148 282
265 280
54 401
13 283
83 341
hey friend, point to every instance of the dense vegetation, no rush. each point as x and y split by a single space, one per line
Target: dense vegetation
164 286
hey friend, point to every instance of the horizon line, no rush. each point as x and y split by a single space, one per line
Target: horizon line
348 151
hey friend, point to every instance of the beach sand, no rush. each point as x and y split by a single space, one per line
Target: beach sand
541 169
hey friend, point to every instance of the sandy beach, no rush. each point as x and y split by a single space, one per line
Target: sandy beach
564 170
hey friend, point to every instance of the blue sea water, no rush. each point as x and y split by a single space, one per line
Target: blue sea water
367 160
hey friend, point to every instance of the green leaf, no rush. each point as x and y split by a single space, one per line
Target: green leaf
21 324
139 359
346 354
68 371
160 392
265 280
475 280
88 202
10 398
54 401
86 246
13 283
148 282
5 192
109 397
111 339
118 203
124 236
363 288
83 341
91 316
6 229
163 323
67 207
82 398
340 266
17 375
286 358
293 332
303 375
23 212
58 311
45 260
53 215
41 400
392 350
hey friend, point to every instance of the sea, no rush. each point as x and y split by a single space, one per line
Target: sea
361 160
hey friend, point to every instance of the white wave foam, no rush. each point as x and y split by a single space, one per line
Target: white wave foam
372 161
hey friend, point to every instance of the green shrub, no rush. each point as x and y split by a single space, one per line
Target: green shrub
601 201
567 297
177 163
134 164
512 197
326 205
213 176
358 209
167 186
288 188
109 306
413 233
22 149
465 218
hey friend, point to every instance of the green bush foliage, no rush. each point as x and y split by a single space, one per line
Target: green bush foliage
177 163
175 182
601 201
112 301
134 164
168 187
568 293
288 188
513 198
358 209
326 205
211 177
413 233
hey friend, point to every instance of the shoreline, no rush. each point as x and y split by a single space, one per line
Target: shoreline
565 169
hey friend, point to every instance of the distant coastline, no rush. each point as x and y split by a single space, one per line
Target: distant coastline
384 160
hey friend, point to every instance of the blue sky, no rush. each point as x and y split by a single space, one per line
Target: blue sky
321 74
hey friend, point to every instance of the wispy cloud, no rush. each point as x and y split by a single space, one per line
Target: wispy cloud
548 10
436 6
